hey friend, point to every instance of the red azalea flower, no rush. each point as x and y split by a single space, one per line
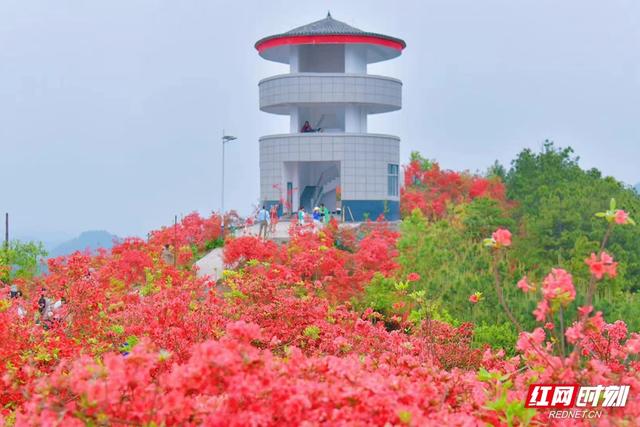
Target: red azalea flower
601 265
413 277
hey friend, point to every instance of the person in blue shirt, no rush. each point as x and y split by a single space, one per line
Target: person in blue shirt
316 214
263 220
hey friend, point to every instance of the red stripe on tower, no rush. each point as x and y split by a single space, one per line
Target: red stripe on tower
328 39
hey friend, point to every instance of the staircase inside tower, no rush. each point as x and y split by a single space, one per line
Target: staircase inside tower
306 198
318 182
325 187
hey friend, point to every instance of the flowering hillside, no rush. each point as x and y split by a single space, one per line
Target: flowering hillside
336 327
431 190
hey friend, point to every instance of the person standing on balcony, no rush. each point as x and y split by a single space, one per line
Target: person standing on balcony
306 127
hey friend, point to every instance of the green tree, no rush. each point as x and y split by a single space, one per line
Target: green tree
496 170
483 216
556 202
20 260
555 205
425 164
453 265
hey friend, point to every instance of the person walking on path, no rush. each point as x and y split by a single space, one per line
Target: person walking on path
263 220
167 255
274 218
324 212
42 302
247 225
14 292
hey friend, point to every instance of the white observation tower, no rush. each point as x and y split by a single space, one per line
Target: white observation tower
328 156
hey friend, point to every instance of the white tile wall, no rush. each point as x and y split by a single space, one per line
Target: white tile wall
339 88
364 159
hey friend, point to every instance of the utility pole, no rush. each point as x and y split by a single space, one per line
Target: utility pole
225 139
222 191
6 231
6 238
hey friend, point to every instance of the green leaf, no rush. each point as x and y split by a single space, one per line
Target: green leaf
405 417
117 329
489 242
484 375
312 331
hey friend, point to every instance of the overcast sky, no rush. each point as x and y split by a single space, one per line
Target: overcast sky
111 111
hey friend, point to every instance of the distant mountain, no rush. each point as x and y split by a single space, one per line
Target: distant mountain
638 188
88 240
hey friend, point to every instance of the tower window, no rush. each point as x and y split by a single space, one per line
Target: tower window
392 179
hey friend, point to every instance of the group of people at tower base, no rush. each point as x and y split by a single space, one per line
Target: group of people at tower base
268 218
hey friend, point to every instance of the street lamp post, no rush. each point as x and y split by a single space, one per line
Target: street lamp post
225 139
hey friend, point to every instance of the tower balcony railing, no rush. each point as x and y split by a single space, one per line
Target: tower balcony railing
303 143
377 94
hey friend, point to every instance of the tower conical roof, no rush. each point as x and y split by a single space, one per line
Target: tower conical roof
326 31
327 25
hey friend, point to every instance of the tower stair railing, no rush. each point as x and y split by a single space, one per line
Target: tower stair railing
319 188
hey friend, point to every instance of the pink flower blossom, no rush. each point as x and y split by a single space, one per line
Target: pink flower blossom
527 341
541 310
574 333
595 266
243 330
597 322
585 310
558 287
633 344
606 258
525 285
621 217
502 237
599 266
549 326
474 298
398 305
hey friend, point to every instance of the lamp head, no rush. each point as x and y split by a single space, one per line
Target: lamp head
228 138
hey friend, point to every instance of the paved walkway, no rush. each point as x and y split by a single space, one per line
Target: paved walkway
212 264
280 235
